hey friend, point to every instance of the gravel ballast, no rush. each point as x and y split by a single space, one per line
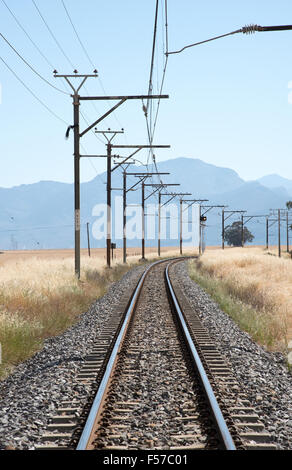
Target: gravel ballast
263 375
31 394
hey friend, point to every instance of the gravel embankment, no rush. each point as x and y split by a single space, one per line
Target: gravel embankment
29 396
264 376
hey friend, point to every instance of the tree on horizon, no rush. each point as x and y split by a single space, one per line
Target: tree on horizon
233 234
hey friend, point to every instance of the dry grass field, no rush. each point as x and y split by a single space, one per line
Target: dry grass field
258 280
41 297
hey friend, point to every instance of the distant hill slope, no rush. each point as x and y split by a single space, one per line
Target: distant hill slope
277 182
40 215
200 178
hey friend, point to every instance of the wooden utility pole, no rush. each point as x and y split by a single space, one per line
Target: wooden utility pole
77 136
88 240
75 127
279 233
109 187
125 191
267 232
279 213
124 217
180 214
224 220
191 202
143 175
223 229
209 208
287 230
159 188
250 217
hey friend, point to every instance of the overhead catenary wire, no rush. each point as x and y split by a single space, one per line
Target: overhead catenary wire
149 120
149 104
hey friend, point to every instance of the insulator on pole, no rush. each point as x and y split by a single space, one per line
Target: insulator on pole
250 29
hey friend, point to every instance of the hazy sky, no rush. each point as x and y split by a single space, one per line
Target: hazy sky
228 100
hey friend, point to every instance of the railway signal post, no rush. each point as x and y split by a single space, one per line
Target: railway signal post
191 202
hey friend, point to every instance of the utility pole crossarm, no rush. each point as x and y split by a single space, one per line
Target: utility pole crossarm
142 177
151 194
127 97
249 217
192 201
126 159
231 213
168 201
209 208
158 187
141 146
150 174
176 194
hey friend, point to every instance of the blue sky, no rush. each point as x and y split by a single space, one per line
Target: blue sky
228 100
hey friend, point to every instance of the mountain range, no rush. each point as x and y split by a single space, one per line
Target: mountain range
40 215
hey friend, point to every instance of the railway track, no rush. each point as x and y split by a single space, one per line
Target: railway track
161 383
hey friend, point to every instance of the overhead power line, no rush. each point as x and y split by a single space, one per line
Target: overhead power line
34 228
89 60
77 35
27 35
32 93
30 66
52 35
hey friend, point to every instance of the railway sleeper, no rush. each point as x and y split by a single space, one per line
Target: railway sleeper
243 416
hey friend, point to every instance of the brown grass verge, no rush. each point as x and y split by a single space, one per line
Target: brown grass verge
253 288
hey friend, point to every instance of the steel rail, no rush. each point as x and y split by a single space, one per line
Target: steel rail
87 430
220 421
